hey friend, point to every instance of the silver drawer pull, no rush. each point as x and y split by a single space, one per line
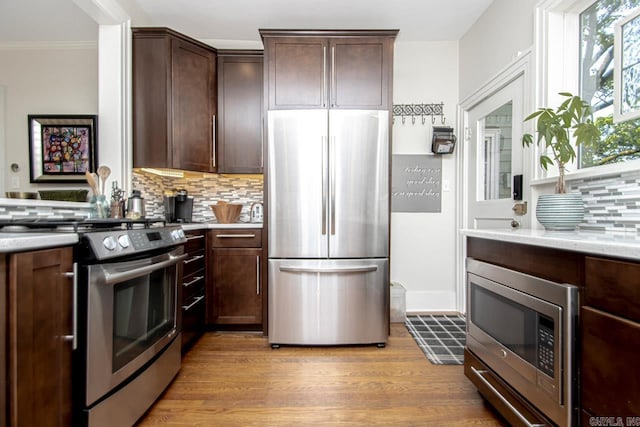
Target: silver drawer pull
197 300
195 258
197 279
199 236
349 269
479 374
68 338
241 236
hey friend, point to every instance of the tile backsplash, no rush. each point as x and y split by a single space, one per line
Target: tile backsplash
206 189
611 203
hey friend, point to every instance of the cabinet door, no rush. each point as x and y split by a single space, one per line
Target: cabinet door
361 73
240 83
192 107
609 368
297 72
40 320
237 293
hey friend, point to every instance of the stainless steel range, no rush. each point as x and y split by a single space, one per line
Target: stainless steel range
127 316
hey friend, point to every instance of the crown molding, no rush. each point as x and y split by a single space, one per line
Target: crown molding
48 45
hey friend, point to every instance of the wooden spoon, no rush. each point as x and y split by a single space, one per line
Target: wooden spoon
92 183
103 173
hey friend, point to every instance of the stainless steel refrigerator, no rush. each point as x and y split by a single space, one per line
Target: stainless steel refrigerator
328 224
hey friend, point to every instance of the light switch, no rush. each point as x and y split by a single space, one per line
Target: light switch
15 182
445 185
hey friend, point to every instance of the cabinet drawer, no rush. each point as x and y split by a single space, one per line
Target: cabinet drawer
610 369
195 241
613 286
194 262
236 238
193 286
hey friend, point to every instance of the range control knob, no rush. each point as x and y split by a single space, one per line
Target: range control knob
109 242
123 240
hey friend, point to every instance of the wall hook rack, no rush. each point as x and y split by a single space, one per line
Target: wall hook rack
419 110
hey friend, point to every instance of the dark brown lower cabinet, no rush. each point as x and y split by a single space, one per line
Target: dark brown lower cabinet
234 290
193 289
237 286
40 306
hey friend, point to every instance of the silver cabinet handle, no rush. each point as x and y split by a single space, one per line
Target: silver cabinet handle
257 274
503 399
213 141
195 280
241 236
74 323
196 237
192 259
324 76
351 269
197 300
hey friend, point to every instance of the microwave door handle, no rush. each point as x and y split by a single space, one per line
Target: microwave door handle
114 276
526 422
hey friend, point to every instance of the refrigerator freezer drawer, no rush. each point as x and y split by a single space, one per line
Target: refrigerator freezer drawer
328 302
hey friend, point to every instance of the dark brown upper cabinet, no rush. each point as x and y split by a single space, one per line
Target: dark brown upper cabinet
329 69
174 101
240 106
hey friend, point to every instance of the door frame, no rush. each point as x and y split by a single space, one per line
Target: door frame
522 66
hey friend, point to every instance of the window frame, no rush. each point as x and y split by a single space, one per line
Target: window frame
557 70
618 115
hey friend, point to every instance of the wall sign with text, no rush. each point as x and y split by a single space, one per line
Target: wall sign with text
416 183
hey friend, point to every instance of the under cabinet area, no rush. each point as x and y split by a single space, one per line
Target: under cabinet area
174 101
39 304
339 69
234 290
240 105
193 288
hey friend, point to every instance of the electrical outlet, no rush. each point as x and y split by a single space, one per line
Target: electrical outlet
15 182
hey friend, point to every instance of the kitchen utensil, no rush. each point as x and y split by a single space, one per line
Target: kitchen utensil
103 173
226 212
91 180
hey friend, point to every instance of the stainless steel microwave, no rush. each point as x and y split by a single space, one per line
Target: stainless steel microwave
523 328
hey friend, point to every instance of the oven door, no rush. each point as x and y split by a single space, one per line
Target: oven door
132 315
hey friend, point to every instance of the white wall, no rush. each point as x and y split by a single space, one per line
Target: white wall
422 244
494 41
42 80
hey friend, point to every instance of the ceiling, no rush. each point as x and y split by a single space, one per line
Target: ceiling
417 20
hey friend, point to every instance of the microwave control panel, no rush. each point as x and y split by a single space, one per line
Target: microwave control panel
545 347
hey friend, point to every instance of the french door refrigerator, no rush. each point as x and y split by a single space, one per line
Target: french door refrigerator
328 225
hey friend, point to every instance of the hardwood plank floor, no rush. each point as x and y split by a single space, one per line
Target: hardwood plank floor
236 379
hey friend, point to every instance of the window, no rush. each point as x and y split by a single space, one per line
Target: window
620 142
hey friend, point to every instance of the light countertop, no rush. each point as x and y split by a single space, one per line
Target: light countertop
18 242
619 245
216 225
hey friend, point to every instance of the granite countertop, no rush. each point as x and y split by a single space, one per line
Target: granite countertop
620 245
18 242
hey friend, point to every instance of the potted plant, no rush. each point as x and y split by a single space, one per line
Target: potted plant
560 128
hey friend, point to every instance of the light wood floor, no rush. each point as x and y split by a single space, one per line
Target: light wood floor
236 379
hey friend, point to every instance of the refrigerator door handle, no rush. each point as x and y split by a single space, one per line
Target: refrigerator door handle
332 172
350 269
324 185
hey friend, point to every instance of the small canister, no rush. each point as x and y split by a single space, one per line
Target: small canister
135 205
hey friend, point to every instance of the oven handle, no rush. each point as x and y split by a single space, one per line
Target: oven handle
504 400
111 278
